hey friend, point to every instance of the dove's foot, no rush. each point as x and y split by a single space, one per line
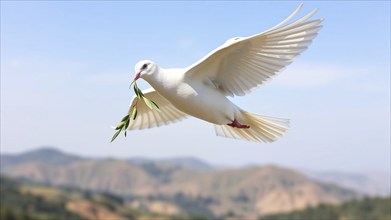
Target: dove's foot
236 124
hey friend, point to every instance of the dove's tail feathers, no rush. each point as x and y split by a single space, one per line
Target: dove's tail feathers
262 129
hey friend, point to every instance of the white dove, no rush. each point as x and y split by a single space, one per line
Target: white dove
236 68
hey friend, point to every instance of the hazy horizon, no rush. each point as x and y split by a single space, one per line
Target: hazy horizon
66 69
211 163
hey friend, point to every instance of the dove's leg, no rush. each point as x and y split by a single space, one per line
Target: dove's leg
236 124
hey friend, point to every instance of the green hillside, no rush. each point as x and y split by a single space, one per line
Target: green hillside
367 208
27 201
16 205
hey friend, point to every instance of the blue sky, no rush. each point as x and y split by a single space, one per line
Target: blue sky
66 68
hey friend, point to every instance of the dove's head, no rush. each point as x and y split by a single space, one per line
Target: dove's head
144 69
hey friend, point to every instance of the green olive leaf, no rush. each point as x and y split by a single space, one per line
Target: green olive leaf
148 103
126 125
156 107
120 125
115 135
134 113
125 121
138 92
125 118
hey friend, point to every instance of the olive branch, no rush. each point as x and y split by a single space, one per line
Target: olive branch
132 114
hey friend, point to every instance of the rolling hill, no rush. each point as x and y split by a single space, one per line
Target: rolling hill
47 154
371 184
169 187
19 205
23 201
26 201
367 208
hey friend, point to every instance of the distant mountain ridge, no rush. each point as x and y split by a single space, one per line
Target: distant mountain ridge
184 162
54 156
249 192
47 154
373 184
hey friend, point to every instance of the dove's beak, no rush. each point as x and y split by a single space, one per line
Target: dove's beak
136 77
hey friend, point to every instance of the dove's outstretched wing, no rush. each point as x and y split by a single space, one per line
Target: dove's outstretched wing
244 63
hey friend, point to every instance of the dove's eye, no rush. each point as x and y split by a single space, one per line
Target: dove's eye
144 66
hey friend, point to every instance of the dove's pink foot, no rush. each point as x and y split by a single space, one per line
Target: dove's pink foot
236 124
